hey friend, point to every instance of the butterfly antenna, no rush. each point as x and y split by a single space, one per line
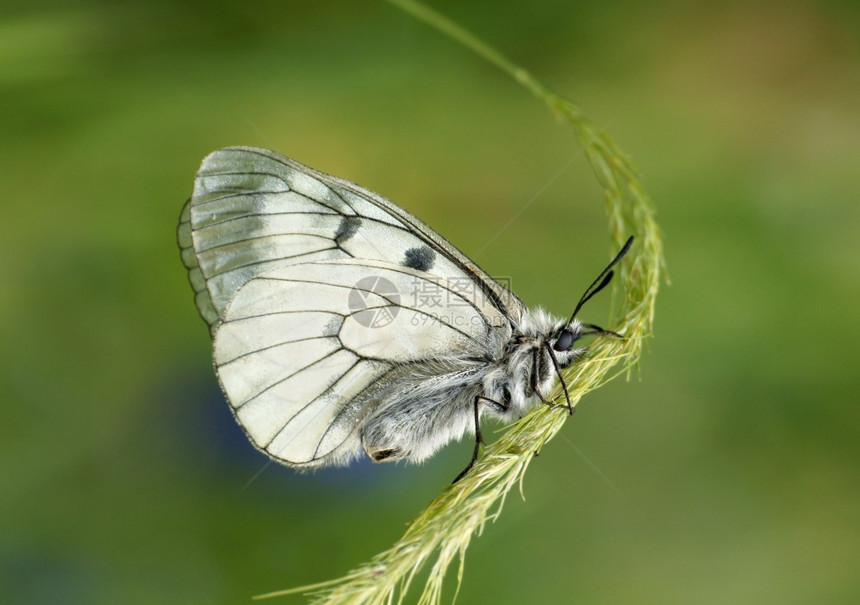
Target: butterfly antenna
560 377
602 280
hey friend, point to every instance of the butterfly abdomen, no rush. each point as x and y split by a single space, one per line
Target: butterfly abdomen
422 416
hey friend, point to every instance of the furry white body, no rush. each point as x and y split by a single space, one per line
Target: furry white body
427 409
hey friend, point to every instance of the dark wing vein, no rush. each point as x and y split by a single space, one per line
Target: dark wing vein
347 404
391 303
304 407
285 378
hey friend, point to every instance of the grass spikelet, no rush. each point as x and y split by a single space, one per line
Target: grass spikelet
442 531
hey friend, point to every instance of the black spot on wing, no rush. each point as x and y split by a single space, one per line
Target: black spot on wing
347 228
421 259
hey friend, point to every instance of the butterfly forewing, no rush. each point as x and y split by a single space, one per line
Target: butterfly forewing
254 210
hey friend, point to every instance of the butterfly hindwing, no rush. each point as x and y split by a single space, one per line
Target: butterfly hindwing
305 352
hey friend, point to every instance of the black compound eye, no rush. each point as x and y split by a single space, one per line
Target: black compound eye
564 341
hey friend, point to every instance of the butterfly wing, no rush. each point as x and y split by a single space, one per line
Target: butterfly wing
279 257
254 210
306 352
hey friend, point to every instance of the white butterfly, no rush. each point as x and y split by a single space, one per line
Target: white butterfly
341 322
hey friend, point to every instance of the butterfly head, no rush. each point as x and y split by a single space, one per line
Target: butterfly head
561 342
561 346
564 339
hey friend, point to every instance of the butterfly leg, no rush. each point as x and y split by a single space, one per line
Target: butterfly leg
535 389
478 437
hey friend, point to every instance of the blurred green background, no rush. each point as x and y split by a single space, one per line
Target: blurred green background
726 473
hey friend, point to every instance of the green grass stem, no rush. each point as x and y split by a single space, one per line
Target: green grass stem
442 532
